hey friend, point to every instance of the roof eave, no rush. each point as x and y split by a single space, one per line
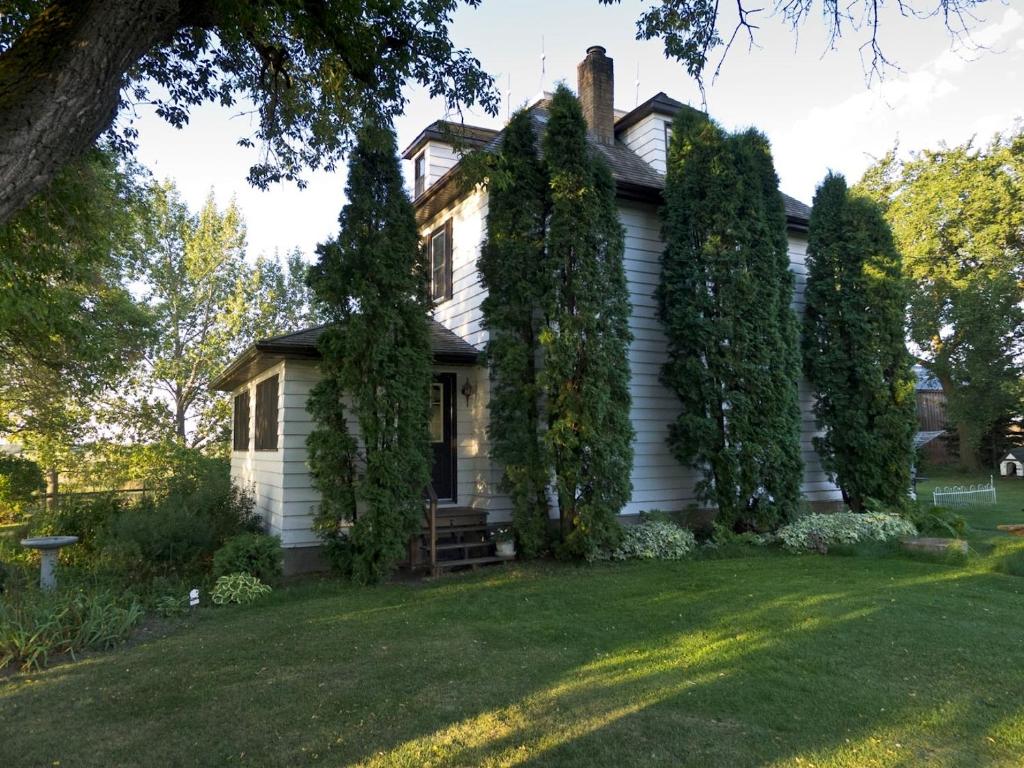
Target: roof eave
222 382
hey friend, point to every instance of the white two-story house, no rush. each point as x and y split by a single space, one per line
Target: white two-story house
271 380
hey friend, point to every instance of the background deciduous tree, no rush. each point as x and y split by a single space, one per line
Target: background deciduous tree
855 354
310 70
69 325
957 217
209 304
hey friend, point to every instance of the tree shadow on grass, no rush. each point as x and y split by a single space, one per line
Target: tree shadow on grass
716 663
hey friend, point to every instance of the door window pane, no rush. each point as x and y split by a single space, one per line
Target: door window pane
436 413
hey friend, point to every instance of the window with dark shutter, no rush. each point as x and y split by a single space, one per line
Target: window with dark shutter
441 262
419 166
240 428
266 415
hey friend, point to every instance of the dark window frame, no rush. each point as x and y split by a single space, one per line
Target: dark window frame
441 292
240 422
419 173
267 392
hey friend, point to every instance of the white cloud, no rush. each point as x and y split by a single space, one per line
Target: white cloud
923 107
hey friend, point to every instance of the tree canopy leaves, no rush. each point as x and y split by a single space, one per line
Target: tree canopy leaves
957 218
69 326
310 72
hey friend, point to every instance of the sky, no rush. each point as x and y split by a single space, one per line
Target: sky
814 104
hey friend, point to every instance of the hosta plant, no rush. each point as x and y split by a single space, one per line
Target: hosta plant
652 540
818 532
238 588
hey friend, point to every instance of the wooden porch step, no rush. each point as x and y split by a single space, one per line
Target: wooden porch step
457 545
453 529
473 561
452 514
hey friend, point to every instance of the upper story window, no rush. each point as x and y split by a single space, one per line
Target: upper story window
240 426
419 169
668 135
440 247
266 414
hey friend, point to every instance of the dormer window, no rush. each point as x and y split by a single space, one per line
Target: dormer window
419 170
440 247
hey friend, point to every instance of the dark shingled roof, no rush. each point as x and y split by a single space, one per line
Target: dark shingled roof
472 136
1017 454
448 348
634 178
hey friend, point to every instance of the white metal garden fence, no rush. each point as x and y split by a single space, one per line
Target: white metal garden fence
965 495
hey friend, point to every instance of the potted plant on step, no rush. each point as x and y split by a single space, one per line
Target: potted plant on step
504 542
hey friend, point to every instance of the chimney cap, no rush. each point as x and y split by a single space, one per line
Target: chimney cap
597 50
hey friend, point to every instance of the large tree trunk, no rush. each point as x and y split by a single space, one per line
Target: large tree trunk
968 456
60 84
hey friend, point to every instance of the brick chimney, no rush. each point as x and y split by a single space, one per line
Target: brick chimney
595 77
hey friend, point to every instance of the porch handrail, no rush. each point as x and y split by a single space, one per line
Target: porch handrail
431 514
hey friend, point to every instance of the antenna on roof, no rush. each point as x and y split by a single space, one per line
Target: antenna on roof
636 83
543 64
508 97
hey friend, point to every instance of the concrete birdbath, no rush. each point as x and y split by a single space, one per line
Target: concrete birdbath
48 547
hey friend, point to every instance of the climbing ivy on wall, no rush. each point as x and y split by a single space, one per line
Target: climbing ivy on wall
855 354
724 299
376 370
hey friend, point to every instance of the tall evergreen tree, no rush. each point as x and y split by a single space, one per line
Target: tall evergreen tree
376 369
855 356
514 268
586 340
724 299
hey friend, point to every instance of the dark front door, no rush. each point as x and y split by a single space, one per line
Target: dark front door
442 435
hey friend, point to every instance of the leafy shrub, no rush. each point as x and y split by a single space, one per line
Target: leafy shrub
936 521
652 540
151 540
820 531
178 534
20 479
171 606
238 588
36 625
87 517
257 554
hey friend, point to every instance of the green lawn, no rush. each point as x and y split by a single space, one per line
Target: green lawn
774 660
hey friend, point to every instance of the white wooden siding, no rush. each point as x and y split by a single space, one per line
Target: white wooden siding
659 482
281 479
261 471
647 139
461 314
441 158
